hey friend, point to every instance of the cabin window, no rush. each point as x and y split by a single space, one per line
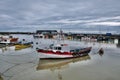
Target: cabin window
59 48
5 40
55 48
71 50
51 46
41 36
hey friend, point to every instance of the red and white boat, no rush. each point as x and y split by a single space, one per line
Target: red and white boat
8 40
63 51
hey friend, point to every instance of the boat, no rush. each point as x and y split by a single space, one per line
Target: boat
23 45
39 36
8 40
63 51
58 63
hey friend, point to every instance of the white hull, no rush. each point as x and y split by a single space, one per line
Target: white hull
44 55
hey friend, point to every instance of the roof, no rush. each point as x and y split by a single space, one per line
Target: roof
46 31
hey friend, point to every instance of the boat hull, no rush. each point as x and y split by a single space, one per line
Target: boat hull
22 46
45 54
9 41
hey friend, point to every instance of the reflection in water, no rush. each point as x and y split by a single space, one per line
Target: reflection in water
1 77
14 48
7 48
104 68
118 45
53 64
60 76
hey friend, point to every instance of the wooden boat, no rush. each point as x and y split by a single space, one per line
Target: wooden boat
23 46
58 63
63 51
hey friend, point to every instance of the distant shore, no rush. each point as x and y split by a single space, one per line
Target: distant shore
72 34
17 32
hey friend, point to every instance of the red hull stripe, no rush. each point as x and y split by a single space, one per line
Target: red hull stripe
86 50
57 52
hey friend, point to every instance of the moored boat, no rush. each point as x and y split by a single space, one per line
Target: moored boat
23 46
8 40
63 51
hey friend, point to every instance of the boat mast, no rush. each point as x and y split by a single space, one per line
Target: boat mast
60 36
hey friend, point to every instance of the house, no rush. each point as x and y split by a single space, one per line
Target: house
45 34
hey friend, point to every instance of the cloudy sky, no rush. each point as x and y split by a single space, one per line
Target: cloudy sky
69 15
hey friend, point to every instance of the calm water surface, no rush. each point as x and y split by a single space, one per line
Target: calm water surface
25 64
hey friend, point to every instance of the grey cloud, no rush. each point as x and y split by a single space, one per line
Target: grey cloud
23 14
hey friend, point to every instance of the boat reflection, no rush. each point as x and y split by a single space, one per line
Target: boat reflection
58 63
1 77
7 48
118 45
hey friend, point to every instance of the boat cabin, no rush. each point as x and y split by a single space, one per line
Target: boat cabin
8 39
56 47
59 47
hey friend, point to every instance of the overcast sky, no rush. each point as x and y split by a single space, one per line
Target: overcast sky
70 15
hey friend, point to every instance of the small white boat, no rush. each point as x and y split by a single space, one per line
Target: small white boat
8 40
39 36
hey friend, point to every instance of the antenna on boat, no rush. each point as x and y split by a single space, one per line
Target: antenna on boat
60 36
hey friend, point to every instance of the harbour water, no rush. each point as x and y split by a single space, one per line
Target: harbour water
26 65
